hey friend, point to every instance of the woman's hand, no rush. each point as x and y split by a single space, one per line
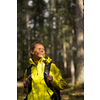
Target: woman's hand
25 82
49 78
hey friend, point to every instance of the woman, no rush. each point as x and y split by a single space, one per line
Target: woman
40 90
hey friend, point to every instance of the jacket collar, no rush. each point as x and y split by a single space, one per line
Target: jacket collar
45 59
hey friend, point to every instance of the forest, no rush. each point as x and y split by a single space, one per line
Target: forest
59 25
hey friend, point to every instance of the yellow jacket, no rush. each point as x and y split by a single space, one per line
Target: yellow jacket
40 91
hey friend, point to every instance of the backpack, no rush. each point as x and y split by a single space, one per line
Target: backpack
29 86
56 95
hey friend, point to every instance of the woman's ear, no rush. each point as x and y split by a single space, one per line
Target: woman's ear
32 52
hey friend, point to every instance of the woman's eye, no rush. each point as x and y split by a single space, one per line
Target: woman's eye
39 48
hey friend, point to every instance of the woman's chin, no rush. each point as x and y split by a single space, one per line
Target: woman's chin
41 56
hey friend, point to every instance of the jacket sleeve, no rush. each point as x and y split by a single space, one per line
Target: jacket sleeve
58 82
25 76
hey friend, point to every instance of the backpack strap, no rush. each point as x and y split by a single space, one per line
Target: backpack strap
29 86
29 70
56 95
46 73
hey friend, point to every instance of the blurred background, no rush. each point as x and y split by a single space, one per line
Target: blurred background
59 25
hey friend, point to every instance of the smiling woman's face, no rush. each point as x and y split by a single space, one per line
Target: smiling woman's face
38 51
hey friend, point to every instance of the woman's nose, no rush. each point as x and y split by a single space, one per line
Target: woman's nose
42 50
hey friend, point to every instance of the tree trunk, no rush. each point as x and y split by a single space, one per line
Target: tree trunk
71 32
52 47
41 24
71 59
80 43
64 52
51 3
56 33
27 27
64 56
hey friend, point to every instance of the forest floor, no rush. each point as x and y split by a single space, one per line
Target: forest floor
67 94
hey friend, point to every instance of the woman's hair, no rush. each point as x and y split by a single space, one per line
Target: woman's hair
33 45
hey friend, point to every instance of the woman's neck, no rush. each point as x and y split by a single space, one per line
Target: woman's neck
36 60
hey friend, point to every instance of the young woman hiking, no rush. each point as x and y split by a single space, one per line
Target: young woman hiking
40 90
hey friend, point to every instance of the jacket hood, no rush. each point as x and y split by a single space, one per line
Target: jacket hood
45 59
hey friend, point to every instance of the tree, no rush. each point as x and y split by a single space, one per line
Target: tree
71 32
71 59
21 39
80 43
51 9
27 27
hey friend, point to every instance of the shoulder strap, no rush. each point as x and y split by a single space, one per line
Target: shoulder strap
29 87
47 68
46 72
29 70
56 95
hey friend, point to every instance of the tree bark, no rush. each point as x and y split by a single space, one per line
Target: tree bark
51 3
27 27
71 59
64 53
80 43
